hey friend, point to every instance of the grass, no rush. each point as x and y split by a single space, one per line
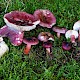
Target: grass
14 65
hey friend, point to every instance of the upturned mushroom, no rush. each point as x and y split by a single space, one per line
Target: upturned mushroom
45 36
72 35
48 48
66 46
47 19
29 42
3 47
76 27
21 21
59 30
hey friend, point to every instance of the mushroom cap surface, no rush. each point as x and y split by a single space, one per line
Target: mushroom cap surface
16 38
47 19
71 32
45 36
31 41
47 44
20 20
76 26
59 30
66 46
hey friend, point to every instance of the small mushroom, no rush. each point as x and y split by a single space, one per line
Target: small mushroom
45 36
29 42
48 48
76 27
3 47
59 30
72 34
21 21
66 46
47 19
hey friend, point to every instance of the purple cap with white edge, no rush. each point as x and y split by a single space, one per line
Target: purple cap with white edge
20 20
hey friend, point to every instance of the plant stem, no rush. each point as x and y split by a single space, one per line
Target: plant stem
27 49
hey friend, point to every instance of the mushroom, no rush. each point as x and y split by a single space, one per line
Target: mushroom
72 34
59 30
76 27
15 36
21 21
45 36
3 47
47 19
29 42
48 48
66 46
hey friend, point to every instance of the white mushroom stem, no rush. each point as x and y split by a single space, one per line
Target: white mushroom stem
49 52
58 34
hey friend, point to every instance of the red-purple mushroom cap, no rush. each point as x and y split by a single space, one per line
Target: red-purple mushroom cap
32 41
20 20
66 46
47 19
45 36
47 44
16 39
59 30
29 42
15 36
